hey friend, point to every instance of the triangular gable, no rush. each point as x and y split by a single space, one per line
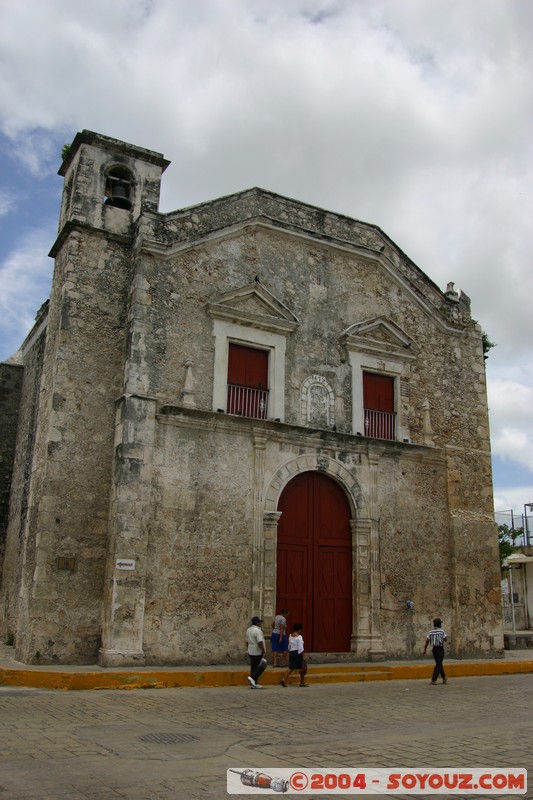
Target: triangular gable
378 335
253 305
253 209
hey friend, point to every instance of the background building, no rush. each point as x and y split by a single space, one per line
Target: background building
247 404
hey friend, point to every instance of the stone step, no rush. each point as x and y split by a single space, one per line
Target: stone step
361 667
345 677
318 675
521 640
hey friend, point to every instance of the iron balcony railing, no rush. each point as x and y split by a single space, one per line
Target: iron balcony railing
247 402
380 424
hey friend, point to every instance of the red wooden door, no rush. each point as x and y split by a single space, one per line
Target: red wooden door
378 403
247 381
378 392
314 561
248 366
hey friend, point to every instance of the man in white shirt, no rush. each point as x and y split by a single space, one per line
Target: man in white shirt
255 641
436 638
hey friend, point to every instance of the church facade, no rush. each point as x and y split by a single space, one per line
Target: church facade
240 406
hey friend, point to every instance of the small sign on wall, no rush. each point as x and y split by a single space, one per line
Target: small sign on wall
67 563
125 563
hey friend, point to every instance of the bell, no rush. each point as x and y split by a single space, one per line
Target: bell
119 196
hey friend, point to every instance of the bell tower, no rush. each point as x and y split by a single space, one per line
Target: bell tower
108 186
108 183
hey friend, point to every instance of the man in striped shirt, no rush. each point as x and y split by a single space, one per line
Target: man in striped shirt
436 638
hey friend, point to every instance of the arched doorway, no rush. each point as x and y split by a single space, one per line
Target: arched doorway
314 561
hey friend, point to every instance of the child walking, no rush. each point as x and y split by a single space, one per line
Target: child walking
296 656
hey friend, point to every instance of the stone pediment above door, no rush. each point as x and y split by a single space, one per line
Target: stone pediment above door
253 305
380 336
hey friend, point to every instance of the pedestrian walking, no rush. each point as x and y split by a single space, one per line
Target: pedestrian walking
280 641
436 638
255 642
296 656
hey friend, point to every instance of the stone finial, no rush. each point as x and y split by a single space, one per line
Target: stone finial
451 293
188 393
427 430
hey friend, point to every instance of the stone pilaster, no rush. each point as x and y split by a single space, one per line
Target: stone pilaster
376 651
122 630
270 538
361 586
261 549
130 507
367 639
457 578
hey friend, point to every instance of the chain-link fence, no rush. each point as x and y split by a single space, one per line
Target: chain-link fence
515 609
515 521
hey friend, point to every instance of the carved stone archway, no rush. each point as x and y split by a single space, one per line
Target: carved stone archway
366 640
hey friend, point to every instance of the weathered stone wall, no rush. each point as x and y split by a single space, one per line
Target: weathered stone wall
200 544
60 616
475 573
328 291
199 223
11 376
20 485
414 548
200 559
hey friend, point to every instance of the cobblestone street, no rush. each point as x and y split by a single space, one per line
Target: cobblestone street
178 743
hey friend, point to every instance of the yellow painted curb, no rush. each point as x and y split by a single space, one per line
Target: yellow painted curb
319 673
119 680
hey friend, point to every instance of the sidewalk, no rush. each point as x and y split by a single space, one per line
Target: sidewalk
13 673
179 743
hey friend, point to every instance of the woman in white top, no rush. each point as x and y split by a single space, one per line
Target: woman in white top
296 655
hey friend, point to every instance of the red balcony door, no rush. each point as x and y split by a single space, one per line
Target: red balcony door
247 381
378 402
314 561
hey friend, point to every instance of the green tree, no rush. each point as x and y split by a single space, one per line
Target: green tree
487 345
507 537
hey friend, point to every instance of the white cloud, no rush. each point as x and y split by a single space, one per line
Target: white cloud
515 445
8 203
511 413
25 278
512 399
409 114
514 499
35 151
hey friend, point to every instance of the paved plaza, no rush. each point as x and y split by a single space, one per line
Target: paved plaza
163 744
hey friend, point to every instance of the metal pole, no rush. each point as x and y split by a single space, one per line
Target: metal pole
512 597
524 591
530 506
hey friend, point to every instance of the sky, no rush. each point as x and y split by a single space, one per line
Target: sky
413 115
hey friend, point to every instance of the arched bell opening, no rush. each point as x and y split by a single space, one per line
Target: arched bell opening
119 188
